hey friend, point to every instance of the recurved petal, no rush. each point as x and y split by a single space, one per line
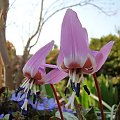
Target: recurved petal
54 76
74 37
90 64
37 59
102 55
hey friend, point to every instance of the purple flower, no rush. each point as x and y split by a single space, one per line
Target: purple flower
35 73
75 57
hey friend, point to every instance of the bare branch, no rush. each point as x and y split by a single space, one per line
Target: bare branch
60 10
40 26
78 4
37 30
99 8
37 37
11 4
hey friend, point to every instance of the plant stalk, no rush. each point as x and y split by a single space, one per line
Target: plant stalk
59 106
99 95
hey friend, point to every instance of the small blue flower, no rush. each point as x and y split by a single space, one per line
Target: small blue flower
37 105
67 110
1 116
17 97
46 104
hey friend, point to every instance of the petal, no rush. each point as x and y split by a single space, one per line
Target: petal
90 64
37 59
49 66
74 43
102 55
54 76
1 116
40 106
60 58
52 103
42 71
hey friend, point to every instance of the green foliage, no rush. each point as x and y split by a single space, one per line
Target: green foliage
91 115
108 92
85 99
49 91
52 57
112 65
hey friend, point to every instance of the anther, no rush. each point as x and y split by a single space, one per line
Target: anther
78 89
34 98
28 95
66 90
18 90
86 89
72 85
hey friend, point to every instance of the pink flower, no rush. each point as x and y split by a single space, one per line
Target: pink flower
75 56
35 74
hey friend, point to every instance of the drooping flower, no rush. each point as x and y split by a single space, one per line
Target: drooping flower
35 74
75 57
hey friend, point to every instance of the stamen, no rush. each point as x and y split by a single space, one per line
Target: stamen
74 76
31 84
78 90
34 98
34 89
81 79
24 82
24 106
17 91
66 90
26 87
68 82
34 95
23 86
28 94
72 85
71 100
86 89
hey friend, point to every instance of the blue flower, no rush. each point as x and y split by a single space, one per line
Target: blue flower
46 104
49 103
1 116
37 105
17 97
67 110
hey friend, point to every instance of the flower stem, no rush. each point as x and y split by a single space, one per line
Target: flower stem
99 95
59 107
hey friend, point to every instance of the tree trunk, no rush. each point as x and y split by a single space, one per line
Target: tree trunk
4 5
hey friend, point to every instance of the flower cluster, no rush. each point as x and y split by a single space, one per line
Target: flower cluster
74 60
42 103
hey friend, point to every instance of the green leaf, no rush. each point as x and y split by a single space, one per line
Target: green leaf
91 115
67 116
49 91
6 117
